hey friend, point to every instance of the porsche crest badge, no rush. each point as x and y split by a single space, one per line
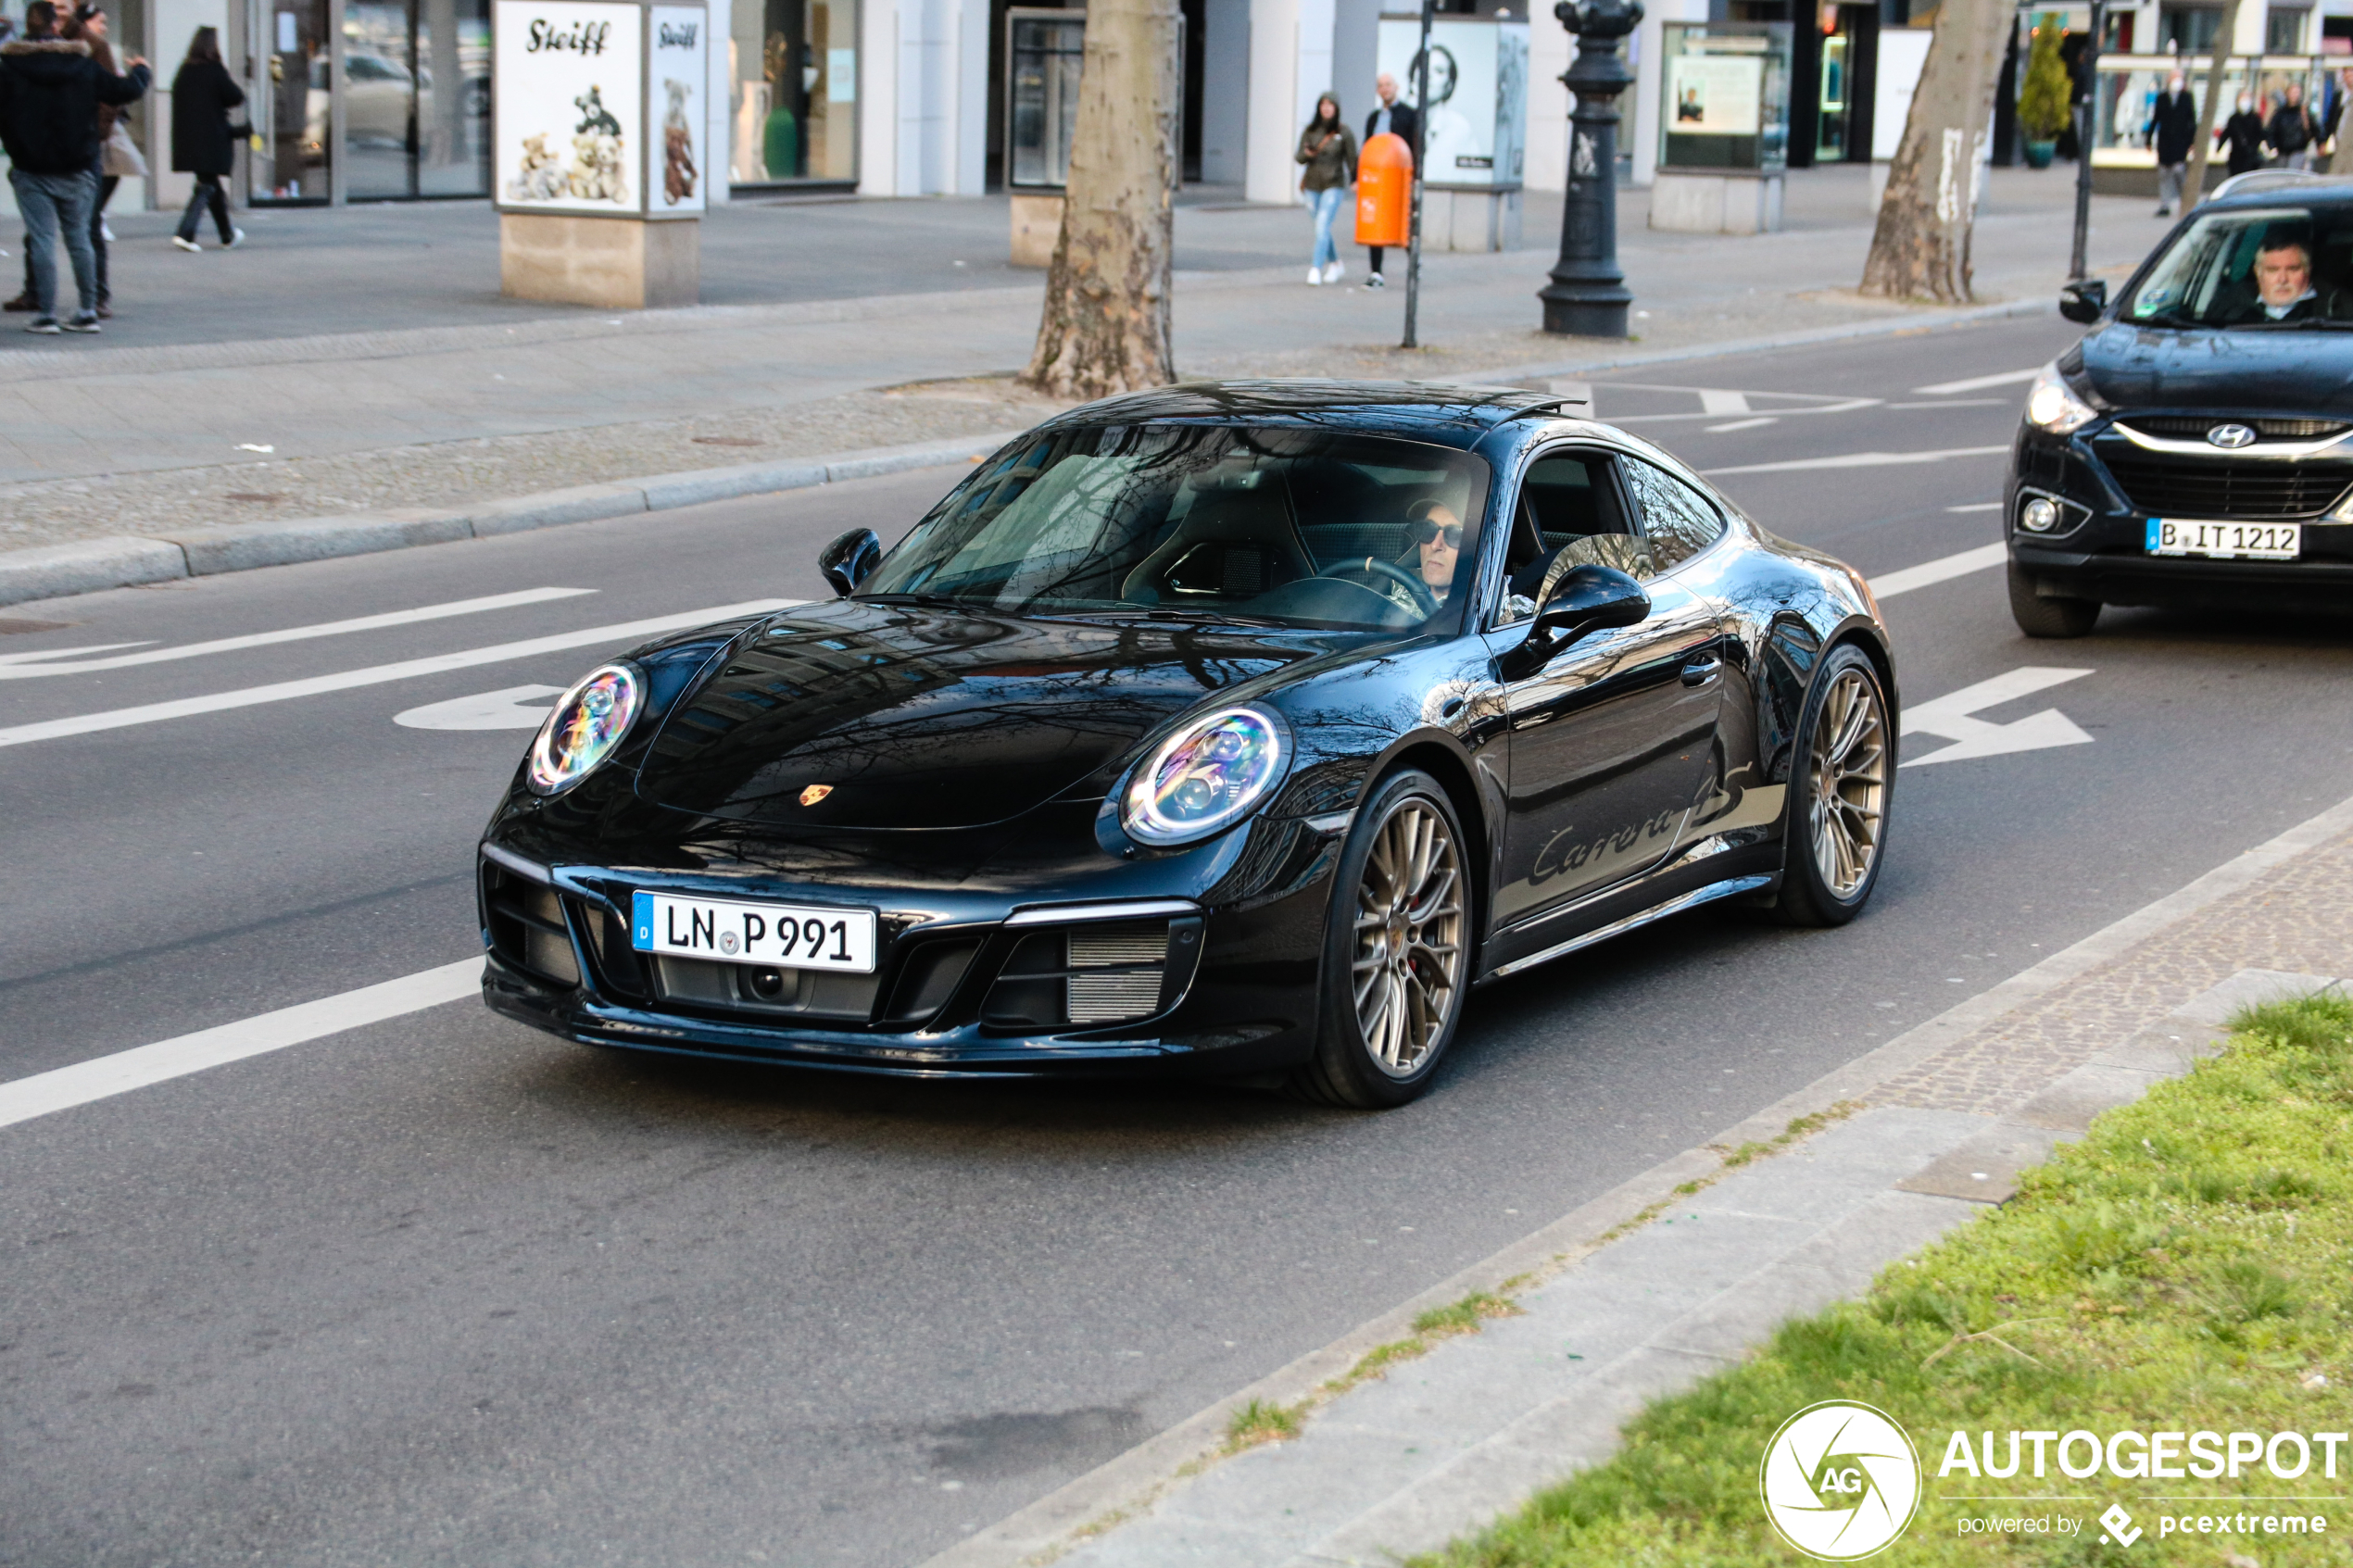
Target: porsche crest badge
815 793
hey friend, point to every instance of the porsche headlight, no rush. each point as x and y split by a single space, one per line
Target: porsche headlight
588 721
2052 405
1206 776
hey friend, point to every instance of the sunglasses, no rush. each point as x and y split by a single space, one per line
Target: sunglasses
1426 532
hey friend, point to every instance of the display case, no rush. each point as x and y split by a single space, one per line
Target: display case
1724 96
1043 53
1475 135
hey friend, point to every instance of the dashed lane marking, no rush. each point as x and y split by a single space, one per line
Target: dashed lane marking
48 662
1978 383
407 670
1888 584
103 1077
1862 460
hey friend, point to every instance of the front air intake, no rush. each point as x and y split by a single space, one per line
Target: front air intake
1083 977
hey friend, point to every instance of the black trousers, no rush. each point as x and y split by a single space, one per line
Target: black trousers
207 193
1375 250
106 182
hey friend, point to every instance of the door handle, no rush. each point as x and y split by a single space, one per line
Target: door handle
1701 670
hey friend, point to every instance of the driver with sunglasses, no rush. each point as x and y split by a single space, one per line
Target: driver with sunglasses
1436 533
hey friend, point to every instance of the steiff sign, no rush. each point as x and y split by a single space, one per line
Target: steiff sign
600 115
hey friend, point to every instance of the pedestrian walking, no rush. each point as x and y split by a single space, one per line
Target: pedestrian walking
202 141
2291 131
50 92
1329 149
1393 118
2243 134
2173 129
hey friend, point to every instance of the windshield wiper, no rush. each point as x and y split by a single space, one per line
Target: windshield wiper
936 601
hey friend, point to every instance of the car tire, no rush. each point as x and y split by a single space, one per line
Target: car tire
1401 919
1833 829
2039 617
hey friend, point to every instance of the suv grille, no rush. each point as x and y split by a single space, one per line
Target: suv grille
2220 488
2192 427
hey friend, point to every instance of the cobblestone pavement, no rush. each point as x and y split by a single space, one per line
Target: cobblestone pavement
2298 919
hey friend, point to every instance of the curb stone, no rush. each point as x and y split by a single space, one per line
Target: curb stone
1093 1504
127 561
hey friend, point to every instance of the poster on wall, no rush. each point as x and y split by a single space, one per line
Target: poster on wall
677 68
568 89
1715 95
1476 134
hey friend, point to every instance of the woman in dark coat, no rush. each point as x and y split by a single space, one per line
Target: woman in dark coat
202 95
2243 134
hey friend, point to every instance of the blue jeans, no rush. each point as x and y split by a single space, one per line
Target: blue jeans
50 203
1326 205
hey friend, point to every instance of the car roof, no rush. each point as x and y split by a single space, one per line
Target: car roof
2264 187
1452 415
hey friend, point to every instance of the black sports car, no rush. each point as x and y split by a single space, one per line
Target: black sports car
2196 447
1235 729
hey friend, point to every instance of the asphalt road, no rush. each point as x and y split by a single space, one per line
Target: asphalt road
443 1290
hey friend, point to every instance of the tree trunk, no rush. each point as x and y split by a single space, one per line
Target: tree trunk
1920 249
2211 115
1105 327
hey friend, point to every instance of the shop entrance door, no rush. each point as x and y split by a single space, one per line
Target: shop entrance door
293 116
415 98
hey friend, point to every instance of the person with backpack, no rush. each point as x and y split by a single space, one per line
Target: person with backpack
50 92
2291 131
201 144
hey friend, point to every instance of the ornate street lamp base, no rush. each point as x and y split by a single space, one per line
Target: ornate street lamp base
1586 312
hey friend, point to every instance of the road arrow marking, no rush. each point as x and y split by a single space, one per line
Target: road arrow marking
1950 718
501 710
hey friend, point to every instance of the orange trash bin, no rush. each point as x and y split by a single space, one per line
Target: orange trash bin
1384 192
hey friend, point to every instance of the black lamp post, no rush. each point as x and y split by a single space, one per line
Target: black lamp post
1587 297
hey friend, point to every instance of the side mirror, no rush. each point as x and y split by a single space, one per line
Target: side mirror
1580 600
846 561
2084 302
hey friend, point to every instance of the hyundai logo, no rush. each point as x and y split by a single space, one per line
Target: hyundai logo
2231 437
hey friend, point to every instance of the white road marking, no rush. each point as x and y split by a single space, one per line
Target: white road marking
1862 460
25 666
1977 507
501 710
1744 424
465 658
1959 403
1978 383
1888 584
1715 400
1949 716
103 1077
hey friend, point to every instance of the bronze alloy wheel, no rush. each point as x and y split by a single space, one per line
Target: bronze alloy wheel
1396 950
1847 782
1836 824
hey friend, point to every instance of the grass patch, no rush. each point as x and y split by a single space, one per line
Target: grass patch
1261 1421
2187 1266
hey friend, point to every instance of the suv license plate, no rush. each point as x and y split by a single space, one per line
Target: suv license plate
2225 541
789 935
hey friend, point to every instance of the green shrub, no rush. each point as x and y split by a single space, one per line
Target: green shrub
2043 100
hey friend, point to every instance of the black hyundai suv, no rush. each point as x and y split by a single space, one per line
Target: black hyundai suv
2196 447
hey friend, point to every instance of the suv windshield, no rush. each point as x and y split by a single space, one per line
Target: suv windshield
2255 267
1298 528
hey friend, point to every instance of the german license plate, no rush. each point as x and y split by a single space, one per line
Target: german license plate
2225 541
788 936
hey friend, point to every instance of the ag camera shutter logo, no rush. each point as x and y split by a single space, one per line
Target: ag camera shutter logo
1840 1481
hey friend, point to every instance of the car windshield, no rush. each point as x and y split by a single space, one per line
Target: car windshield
1255 523
2285 266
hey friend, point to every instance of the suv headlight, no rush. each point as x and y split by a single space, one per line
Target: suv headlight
587 723
1206 777
2052 405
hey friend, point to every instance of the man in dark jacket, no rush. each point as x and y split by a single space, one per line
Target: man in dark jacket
2173 129
1396 118
50 90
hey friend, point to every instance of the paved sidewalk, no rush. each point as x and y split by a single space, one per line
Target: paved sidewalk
98 439
1937 1124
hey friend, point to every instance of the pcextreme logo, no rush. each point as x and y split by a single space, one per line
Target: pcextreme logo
1840 1481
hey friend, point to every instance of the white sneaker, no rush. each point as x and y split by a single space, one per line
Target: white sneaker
1336 271
105 231
1314 277
189 246
236 238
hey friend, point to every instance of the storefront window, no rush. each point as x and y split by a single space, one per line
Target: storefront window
794 67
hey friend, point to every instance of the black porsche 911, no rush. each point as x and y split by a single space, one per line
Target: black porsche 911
1234 729
2196 447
